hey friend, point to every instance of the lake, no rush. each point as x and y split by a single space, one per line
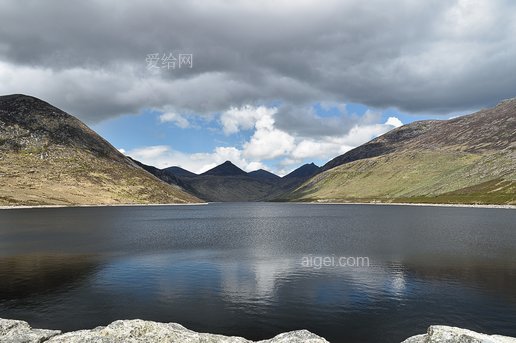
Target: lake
258 269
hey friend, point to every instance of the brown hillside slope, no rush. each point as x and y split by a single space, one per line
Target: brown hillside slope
48 157
469 159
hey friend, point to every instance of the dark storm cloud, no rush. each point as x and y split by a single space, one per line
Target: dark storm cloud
418 56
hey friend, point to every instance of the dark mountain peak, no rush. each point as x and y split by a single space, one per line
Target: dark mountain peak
225 169
27 122
305 171
263 174
178 171
20 108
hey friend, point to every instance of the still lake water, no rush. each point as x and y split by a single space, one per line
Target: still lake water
237 268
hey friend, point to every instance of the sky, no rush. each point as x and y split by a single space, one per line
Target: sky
266 84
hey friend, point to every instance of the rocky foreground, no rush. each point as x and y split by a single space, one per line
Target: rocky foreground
448 334
135 331
140 331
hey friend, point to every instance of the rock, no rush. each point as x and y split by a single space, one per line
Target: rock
17 331
136 331
141 331
448 334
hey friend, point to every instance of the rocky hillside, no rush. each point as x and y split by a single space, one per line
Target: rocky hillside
469 159
48 157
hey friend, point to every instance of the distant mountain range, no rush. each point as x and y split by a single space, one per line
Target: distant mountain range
469 159
227 182
49 157
263 175
179 171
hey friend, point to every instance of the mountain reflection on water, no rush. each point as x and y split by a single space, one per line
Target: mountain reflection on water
237 269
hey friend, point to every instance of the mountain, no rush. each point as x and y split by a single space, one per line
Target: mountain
178 171
227 182
305 171
48 157
230 188
161 174
469 159
225 169
263 175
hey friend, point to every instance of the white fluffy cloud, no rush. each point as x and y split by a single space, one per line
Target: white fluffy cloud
175 118
266 143
393 121
329 147
163 156
243 118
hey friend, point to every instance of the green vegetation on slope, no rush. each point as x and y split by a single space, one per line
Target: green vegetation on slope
427 176
469 159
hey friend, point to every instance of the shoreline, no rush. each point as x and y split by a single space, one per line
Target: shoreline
500 206
142 331
25 207
506 207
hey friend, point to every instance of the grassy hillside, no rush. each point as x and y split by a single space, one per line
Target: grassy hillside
470 159
48 157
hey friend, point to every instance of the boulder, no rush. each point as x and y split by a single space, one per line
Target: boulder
449 334
17 331
135 331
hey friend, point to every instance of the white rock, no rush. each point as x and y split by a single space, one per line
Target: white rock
140 331
448 334
136 331
17 331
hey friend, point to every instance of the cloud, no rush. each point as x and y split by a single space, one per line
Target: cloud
268 143
163 156
174 118
243 118
427 56
329 147
393 121
303 121
414 56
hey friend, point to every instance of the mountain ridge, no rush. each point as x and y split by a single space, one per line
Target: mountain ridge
263 174
227 182
178 171
468 159
439 134
225 169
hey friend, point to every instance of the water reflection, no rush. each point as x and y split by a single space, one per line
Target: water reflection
31 275
237 269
